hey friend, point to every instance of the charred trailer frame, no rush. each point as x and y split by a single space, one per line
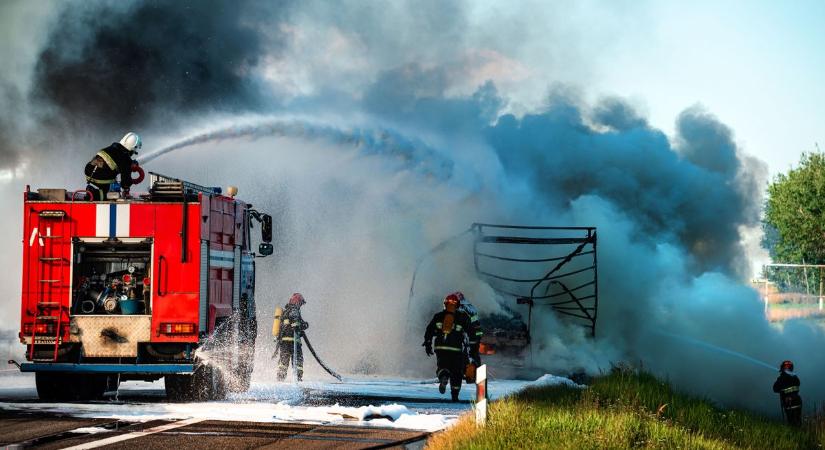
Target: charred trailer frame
571 285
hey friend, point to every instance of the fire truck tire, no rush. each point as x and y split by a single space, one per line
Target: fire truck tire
179 388
90 387
53 386
69 386
207 383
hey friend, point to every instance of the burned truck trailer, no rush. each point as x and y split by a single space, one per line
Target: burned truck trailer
140 288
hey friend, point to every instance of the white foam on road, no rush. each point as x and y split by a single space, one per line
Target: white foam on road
90 430
282 402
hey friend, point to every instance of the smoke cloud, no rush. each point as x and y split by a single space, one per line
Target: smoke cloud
417 128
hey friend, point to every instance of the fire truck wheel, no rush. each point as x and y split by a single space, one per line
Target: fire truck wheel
53 386
207 383
90 387
179 388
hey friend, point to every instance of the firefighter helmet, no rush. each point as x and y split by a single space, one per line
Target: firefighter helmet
786 365
297 299
460 296
451 299
131 141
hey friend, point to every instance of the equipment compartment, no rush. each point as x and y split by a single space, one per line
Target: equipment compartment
111 277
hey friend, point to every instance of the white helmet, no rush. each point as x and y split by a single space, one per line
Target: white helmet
131 141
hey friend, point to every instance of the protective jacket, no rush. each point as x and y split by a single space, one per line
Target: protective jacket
787 386
454 340
104 168
475 332
292 323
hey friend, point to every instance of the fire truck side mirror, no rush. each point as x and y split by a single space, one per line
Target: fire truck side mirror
265 249
266 230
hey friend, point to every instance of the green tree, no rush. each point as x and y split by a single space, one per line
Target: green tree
795 213
794 223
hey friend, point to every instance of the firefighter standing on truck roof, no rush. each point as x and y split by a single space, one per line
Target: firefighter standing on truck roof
475 332
450 328
787 386
115 159
292 327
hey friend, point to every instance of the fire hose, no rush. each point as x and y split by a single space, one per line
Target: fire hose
141 174
312 350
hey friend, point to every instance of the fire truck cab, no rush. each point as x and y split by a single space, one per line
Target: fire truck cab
157 285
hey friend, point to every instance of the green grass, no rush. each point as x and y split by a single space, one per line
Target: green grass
621 410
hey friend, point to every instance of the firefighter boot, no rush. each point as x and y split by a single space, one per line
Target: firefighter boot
454 392
443 379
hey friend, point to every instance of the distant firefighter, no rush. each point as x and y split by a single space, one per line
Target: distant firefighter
449 328
116 159
291 329
787 386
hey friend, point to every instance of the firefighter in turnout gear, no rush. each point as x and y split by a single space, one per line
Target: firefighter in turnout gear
289 338
449 328
116 159
787 386
475 332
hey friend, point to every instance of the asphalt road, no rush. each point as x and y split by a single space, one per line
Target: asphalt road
26 426
44 431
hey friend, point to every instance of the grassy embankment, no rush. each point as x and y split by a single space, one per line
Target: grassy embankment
621 410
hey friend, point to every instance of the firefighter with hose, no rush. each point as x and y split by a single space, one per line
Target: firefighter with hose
116 159
290 328
787 386
449 328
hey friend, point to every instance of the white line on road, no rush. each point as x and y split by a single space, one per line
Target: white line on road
136 434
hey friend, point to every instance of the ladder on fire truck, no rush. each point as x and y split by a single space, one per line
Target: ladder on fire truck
52 237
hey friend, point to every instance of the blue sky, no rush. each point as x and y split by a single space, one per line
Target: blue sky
757 65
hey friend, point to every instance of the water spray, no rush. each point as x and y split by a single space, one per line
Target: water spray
412 153
717 349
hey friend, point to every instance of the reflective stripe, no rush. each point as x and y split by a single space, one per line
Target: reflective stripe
793 407
473 318
479 333
99 181
790 389
458 327
109 161
438 325
444 347
287 338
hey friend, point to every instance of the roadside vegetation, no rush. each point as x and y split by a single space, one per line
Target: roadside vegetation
624 409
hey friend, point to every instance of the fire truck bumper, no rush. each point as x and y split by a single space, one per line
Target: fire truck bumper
109 368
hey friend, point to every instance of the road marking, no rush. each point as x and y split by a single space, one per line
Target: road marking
136 434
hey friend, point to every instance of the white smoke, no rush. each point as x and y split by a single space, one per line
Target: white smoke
408 144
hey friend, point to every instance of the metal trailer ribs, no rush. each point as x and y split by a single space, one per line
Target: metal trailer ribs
572 279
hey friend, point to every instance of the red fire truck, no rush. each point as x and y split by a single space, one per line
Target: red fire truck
157 285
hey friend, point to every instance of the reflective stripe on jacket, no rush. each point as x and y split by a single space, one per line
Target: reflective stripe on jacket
108 158
99 181
455 340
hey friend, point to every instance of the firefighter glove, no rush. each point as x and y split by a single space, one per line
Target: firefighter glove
428 348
